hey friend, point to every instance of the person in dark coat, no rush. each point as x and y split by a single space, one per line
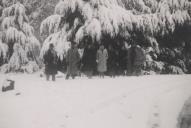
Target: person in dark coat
122 59
136 59
72 60
112 62
89 60
50 61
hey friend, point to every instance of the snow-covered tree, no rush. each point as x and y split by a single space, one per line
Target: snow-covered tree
117 18
18 35
139 20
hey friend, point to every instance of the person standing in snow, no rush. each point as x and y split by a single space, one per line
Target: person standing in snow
136 59
89 60
101 59
50 61
112 61
122 59
72 60
148 58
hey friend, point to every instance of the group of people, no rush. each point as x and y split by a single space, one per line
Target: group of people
102 61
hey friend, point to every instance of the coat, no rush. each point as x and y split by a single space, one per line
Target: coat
112 60
72 60
89 59
102 57
50 61
136 57
122 59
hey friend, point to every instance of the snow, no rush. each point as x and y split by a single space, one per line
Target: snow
52 22
122 102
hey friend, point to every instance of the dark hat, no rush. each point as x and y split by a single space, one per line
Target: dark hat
51 45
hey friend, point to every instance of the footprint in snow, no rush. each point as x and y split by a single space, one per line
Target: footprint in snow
154 117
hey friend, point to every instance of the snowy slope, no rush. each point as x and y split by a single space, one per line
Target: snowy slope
123 102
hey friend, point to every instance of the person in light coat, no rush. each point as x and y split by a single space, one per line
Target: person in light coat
102 56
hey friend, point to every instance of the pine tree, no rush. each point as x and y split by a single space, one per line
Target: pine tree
18 35
144 21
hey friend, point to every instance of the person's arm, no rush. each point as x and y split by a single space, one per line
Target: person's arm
143 57
106 54
45 58
128 55
144 54
97 57
78 55
56 58
67 57
84 55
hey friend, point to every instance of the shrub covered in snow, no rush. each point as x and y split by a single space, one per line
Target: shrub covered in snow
167 55
188 64
30 67
180 63
158 66
174 70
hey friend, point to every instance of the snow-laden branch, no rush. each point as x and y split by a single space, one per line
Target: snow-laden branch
116 18
60 42
50 24
3 49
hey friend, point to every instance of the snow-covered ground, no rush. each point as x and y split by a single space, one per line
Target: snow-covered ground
123 102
